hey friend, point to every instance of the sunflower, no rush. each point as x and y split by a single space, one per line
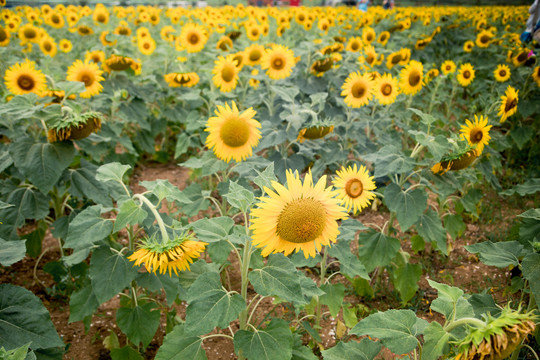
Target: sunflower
84 30
104 41
383 38
465 74
225 43
254 83
370 56
117 63
101 15
23 78
431 74
536 75
386 89
28 33
448 67
411 78
355 187
147 46
521 57
97 56
354 44
4 36
233 135
502 73
84 126
65 45
301 216
182 79
278 62
319 67
253 31
173 255
225 73
239 58
192 38
459 159
48 46
368 35
55 20
357 89
314 132
509 103
483 39
476 133
88 73
253 54
393 59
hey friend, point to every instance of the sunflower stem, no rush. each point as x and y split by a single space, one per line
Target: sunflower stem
464 321
161 224
318 309
244 263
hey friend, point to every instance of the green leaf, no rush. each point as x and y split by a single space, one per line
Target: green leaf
437 145
85 230
501 254
110 272
483 304
125 353
163 189
266 177
376 249
277 278
333 297
12 251
28 204
208 163
129 213
350 264
408 206
531 271
5 161
455 225
139 323
417 243
309 287
430 228
113 171
348 229
366 349
530 225
390 160
405 278
301 352
219 251
521 136
182 145
24 319
530 186
214 229
84 184
82 303
20 353
396 329
471 200
42 163
427 119
210 305
273 343
435 342
349 316
240 197
450 301
157 282
286 93
179 346
35 239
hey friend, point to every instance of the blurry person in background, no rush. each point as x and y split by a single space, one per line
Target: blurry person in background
388 4
363 5
532 30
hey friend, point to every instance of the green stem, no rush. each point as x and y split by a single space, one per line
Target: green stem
464 321
432 100
161 224
244 273
318 310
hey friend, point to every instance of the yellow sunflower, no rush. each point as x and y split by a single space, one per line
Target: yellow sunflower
368 35
48 46
355 187
354 44
468 46
521 57
301 216
147 46
411 78
483 39
4 36
393 59
233 135
88 73
536 75
65 45
193 38
55 20
253 31
104 41
320 66
23 78
225 43
383 38
465 74
357 89
225 73
448 67
476 133
278 62
182 79
253 54
509 103
386 89
502 73
28 33
97 56
117 63
84 30
313 133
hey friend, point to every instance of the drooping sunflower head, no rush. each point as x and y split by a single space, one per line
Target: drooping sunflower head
314 132
75 128
355 187
476 133
502 73
319 67
193 37
173 255
297 217
89 73
466 74
233 135
411 78
386 89
509 102
24 78
458 160
225 73
357 89
117 63
278 62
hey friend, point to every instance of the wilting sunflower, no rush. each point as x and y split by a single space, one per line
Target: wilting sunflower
253 54
233 135
225 73
48 46
536 75
192 38
502 73
476 133
88 73
465 74
355 187
4 36
319 67
278 62
75 128
354 44
314 132
23 78
411 78
499 337
448 67
297 217
386 89
357 89
182 79
509 103
173 255
459 159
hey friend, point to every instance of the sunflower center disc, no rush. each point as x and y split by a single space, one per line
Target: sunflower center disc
370 59
301 221
227 73
466 74
355 46
278 64
358 90
25 82
29 33
87 80
354 188
484 39
386 89
510 105
255 55
234 132
476 136
146 46
55 19
193 39
101 18
3 35
502 73
396 59
414 78
522 57
47 46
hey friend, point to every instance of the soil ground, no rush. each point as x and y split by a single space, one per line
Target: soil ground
460 269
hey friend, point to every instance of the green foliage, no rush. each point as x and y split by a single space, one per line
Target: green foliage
178 345
408 205
366 349
139 323
501 254
11 251
376 249
274 342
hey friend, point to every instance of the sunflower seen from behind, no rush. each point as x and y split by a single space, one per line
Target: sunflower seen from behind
297 217
278 62
476 133
411 78
509 101
233 135
357 89
24 78
465 75
89 73
355 187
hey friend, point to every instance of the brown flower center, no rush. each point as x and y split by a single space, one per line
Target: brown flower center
395 59
30 33
414 78
301 221
193 39
47 46
484 39
355 45
255 55
522 56
476 136
358 90
234 132
87 79
55 19
278 63
3 34
502 73
466 74
510 105
228 73
354 188
386 89
26 82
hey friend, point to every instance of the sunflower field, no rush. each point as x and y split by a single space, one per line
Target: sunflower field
268 183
